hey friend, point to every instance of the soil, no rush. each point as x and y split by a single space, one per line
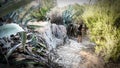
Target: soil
91 60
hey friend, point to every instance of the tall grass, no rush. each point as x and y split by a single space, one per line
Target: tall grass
78 11
44 7
103 21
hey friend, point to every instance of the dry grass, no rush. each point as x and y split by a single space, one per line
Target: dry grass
112 65
90 60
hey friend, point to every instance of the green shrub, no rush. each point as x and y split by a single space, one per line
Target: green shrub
102 19
40 14
55 15
11 6
44 7
61 15
67 15
78 11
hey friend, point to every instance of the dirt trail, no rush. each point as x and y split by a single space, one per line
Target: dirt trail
68 54
72 55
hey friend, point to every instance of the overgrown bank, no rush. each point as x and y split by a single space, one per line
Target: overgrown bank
103 21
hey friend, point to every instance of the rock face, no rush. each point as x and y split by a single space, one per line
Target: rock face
54 35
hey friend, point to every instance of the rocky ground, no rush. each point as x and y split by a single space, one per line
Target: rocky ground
81 55
77 55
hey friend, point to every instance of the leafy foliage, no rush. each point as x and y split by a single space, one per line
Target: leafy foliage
67 15
55 15
12 6
45 6
23 39
36 50
78 10
101 19
61 15
40 14
9 29
48 3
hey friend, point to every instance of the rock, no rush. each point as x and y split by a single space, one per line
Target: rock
53 34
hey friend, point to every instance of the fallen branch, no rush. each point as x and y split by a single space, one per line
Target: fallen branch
16 46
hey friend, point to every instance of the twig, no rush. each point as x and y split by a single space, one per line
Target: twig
16 46
37 57
12 49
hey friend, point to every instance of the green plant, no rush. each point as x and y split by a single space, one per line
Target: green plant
44 8
48 3
11 6
78 10
101 19
11 40
55 15
9 29
40 14
67 15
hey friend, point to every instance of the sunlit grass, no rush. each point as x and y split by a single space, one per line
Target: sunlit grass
101 21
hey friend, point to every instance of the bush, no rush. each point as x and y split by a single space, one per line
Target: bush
78 11
55 15
44 7
61 16
102 19
40 14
